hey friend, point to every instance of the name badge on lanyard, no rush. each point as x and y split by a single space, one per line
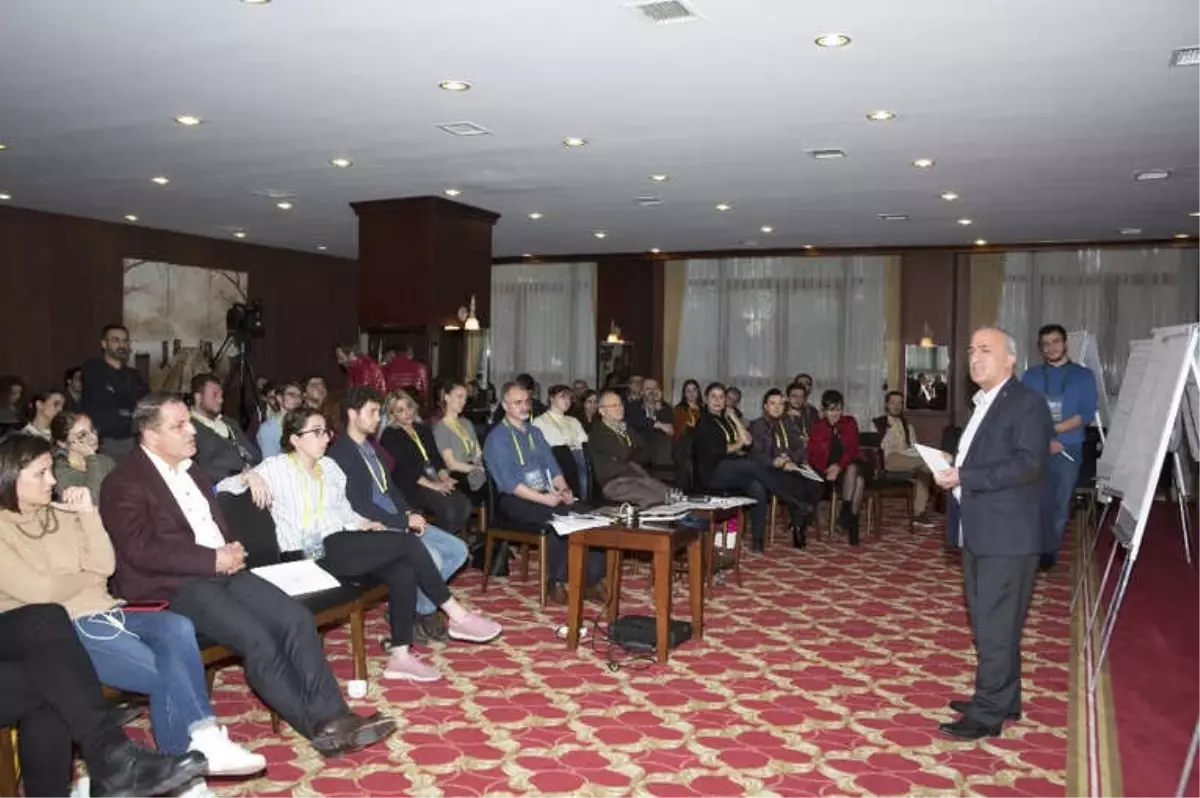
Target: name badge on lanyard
1055 402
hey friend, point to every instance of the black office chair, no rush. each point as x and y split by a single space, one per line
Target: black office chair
524 536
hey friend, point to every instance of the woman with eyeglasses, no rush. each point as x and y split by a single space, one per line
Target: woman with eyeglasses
306 492
78 462
59 552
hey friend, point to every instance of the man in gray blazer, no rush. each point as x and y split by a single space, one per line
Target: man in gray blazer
999 514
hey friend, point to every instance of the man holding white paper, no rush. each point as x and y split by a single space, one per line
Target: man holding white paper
998 509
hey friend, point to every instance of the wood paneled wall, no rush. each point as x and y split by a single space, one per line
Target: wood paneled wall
63 281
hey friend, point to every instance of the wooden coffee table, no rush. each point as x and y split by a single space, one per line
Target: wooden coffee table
662 544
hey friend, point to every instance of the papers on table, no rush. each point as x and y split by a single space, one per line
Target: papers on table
566 524
934 458
297 578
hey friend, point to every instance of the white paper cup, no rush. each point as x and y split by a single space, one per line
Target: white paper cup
357 688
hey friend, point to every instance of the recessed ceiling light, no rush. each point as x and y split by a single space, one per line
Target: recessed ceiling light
724 206
129 217
455 85
188 120
832 40
655 250
1152 174
964 222
600 234
923 163
809 246
1182 235
881 116
239 233
1130 231
5 197
341 163
452 192
766 228
160 180
949 196
572 141
1194 213
828 154
256 2
284 205
535 216
322 248
660 178
980 242
3 146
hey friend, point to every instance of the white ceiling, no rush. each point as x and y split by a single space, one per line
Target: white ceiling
1037 113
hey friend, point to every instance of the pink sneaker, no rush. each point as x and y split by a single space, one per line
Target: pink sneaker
407 665
473 628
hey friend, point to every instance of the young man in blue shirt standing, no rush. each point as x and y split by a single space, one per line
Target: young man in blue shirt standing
1070 392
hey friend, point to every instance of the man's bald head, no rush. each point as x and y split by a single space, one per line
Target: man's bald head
612 406
993 357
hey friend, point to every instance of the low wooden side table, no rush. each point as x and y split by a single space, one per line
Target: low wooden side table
662 543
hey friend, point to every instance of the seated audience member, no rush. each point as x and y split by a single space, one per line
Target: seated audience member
172 545
560 429
733 401
536 407
49 691
896 440
60 552
270 433
618 455
654 419
687 412
12 414
800 411
459 445
833 451
779 447
360 368
807 381
77 461
315 393
73 389
402 371
578 389
373 494
222 449
42 409
306 492
587 409
531 488
418 468
634 387
111 389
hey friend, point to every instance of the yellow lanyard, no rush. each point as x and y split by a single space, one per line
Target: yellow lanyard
781 442
467 441
730 436
381 477
417 440
306 511
517 443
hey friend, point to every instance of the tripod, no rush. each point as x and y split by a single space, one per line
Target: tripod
242 381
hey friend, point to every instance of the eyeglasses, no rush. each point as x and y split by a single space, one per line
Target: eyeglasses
319 432
292 394
82 437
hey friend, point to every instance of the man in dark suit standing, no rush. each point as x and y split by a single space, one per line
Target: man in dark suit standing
998 510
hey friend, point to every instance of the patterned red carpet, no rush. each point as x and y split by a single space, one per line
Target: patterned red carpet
824 675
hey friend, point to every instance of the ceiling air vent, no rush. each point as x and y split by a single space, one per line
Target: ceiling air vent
827 154
464 129
274 193
1185 56
665 12
647 201
893 217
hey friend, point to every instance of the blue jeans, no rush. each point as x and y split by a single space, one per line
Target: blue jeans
581 469
449 554
155 655
1060 484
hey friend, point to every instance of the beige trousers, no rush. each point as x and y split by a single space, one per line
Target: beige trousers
922 481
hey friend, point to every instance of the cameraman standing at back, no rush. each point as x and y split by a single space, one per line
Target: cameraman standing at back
111 389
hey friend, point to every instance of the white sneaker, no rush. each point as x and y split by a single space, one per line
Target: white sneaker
81 787
225 757
199 789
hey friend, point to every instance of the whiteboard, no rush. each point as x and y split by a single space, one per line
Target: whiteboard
1154 417
1191 411
1135 371
1083 349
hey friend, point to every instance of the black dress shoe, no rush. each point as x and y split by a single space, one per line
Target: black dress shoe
967 729
961 708
352 732
799 539
131 770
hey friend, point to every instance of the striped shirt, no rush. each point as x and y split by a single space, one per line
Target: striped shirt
306 509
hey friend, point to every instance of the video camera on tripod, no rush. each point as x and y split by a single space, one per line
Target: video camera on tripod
243 323
244 320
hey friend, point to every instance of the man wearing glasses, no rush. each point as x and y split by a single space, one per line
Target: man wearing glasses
270 434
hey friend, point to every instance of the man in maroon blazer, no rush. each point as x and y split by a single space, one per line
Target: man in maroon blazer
172 544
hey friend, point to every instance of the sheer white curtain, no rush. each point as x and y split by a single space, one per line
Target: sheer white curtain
757 322
1116 293
544 322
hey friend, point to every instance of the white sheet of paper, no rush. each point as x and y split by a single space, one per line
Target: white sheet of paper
934 458
298 578
807 472
566 524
